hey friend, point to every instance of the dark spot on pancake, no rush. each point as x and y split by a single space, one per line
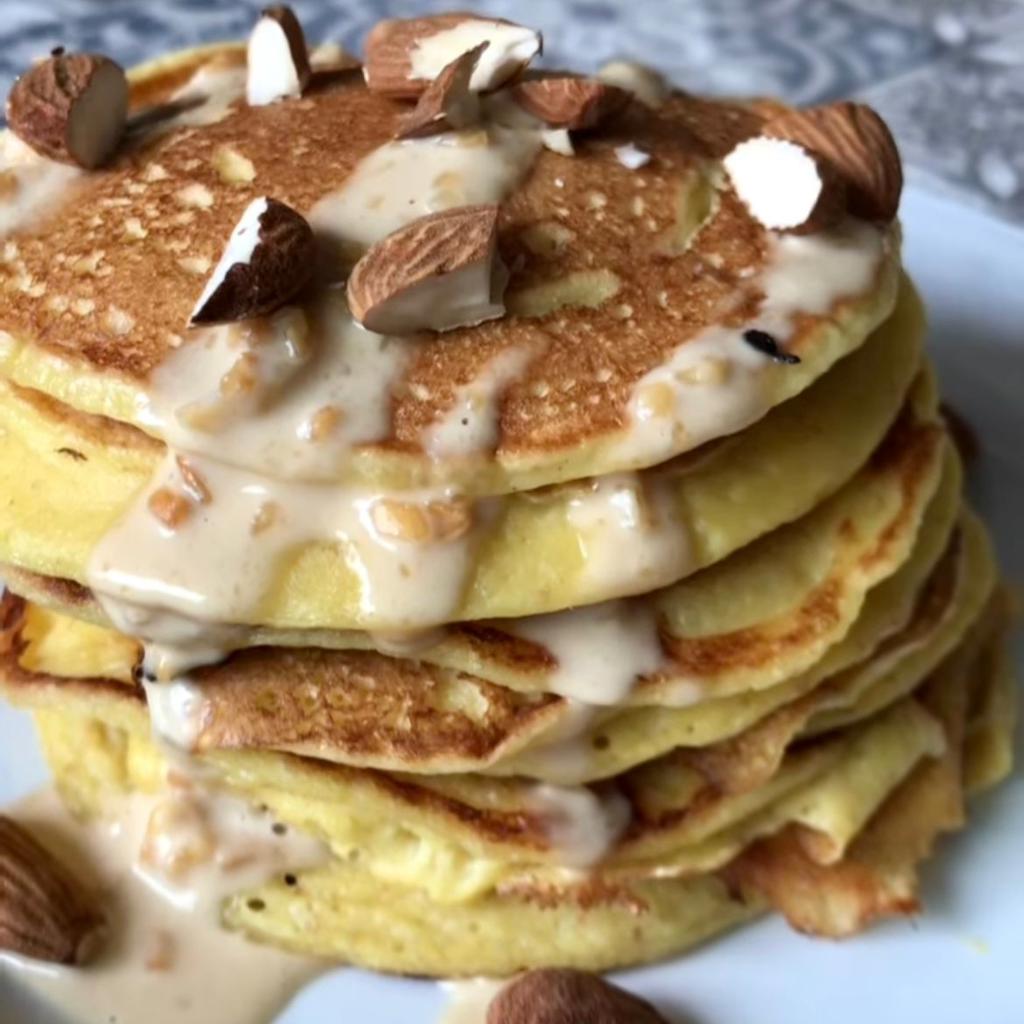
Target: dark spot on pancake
72 453
601 743
290 880
766 344
278 829
256 905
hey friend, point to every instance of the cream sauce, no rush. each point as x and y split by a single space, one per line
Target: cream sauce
715 383
411 555
601 650
629 530
166 958
582 826
469 999
471 424
30 184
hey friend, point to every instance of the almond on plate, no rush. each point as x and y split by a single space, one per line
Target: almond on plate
562 996
44 913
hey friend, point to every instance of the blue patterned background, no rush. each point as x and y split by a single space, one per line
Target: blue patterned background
949 76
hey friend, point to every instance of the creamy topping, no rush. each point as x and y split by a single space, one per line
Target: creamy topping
471 424
165 865
29 184
403 181
469 999
628 529
601 650
581 826
217 559
716 383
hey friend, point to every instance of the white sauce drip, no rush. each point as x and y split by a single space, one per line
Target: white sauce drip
629 530
684 398
166 957
471 425
601 649
470 999
214 567
581 826
30 184
403 181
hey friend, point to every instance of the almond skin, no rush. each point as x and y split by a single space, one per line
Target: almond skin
404 283
857 143
44 914
280 265
447 103
561 996
389 47
71 108
572 103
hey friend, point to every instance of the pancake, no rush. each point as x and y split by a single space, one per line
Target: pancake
696 514
327 910
568 619
703 637
610 282
376 711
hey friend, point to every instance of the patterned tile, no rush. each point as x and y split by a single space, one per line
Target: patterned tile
949 75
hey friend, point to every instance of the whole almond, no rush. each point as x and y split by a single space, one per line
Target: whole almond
562 996
569 102
392 46
855 140
44 913
440 272
448 102
269 258
71 107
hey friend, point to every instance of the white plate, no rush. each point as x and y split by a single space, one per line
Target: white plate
962 960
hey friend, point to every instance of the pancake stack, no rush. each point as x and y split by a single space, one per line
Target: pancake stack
530 486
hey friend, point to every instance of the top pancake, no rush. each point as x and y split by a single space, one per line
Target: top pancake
609 281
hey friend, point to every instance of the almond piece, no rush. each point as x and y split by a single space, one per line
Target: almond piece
44 913
71 107
567 102
277 60
269 258
785 186
857 143
403 55
440 272
448 103
563 996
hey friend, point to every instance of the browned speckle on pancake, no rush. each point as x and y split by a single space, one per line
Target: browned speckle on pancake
118 268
